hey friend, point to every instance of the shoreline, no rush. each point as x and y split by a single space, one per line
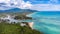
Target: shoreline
31 24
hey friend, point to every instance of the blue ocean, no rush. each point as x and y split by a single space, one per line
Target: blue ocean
46 22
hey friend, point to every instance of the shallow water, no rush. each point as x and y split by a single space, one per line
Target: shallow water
46 22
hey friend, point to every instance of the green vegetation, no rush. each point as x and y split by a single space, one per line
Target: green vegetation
15 28
21 17
6 28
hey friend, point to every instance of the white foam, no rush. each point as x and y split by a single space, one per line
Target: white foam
52 28
47 21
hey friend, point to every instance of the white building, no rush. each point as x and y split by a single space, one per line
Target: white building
22 24
9 19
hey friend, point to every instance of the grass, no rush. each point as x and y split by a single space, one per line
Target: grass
6 28
9 28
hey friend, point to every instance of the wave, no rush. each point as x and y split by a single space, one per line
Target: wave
47 22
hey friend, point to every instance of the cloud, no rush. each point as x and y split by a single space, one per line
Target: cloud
4 1
46 7
53 1
40 7
16 3
27 5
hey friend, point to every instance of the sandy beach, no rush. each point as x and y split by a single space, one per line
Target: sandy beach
31 24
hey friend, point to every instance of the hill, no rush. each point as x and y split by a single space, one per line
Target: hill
6 28
17 10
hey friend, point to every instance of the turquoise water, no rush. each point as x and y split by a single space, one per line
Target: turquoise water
46 22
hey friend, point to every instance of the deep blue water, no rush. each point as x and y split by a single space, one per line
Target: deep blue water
46 22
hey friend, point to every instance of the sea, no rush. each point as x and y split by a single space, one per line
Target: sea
47 22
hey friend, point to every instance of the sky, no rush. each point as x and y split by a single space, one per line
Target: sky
40 5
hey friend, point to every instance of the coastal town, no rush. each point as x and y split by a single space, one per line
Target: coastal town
10 19
17 25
